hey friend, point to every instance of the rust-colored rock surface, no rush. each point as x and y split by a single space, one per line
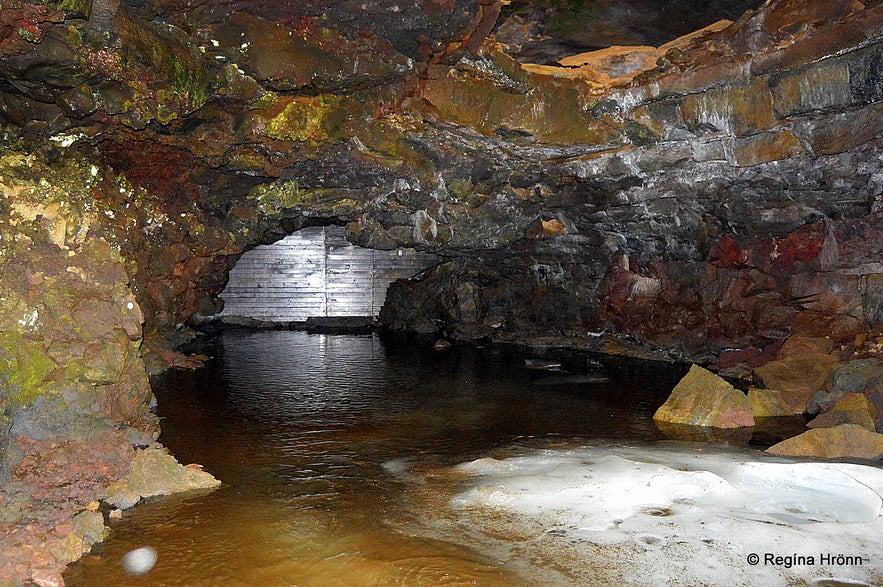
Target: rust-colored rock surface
767 403
843 441
798 378
853 408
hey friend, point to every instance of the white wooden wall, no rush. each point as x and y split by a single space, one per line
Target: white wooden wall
316 272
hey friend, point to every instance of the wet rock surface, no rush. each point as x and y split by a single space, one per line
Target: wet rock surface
702 205
153 471
74 394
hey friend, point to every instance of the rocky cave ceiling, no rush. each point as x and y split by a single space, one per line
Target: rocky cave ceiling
545 31
665 188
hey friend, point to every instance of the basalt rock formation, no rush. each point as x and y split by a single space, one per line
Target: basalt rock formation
702 198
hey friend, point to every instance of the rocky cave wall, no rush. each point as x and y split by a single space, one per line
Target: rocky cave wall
702 200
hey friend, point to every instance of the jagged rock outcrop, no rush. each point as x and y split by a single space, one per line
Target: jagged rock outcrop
70 327
703 399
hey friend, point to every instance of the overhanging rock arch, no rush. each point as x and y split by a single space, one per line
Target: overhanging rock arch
315 273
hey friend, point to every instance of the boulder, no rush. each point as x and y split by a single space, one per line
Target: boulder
90 525
823 400
798 377
154 471
853 408
843 441
702 398
767 403
861 375
800 345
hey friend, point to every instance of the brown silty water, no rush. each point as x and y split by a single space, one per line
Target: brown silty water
314 437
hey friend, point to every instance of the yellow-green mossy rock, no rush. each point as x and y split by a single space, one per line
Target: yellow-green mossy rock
843 441
767 403
90 525
155 472
853 408
702 398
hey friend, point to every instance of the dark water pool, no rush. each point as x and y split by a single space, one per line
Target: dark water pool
309 433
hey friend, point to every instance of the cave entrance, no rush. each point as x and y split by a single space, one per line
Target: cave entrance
315 273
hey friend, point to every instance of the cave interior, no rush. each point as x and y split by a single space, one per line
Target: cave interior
686 181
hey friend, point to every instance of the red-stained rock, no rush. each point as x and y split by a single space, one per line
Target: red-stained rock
803 245
738 363
23 25
727 253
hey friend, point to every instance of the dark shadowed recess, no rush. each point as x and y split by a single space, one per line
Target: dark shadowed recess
543 31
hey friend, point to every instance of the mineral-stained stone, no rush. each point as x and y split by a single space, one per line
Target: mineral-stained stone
842 441
702 398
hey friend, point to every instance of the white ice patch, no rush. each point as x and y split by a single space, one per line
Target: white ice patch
29 320
683 517
66 141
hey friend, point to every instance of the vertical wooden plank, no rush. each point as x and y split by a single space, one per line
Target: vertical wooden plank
316 272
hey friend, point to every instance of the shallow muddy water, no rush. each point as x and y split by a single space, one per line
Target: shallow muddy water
314 437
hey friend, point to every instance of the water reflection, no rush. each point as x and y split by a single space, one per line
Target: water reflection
311 435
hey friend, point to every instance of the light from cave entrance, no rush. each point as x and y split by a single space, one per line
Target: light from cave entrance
315 272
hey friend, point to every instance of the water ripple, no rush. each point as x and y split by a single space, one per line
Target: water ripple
315 437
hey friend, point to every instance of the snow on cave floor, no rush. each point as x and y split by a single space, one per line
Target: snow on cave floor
663 515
